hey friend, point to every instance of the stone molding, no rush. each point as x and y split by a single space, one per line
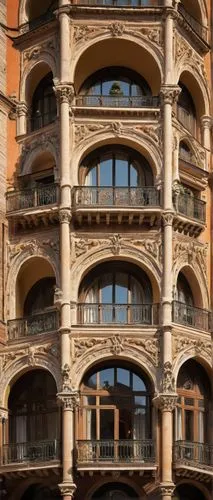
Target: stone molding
69 400
165 402
64 93
67 489
166 489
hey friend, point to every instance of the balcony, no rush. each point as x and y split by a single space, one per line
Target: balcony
38 22
34 206
134 205
190 316
125 453
148 106
120 314
30 454
191 214
42 323
120 3
194 457
201 31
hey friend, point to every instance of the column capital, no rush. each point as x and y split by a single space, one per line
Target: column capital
65 215
64 92
67 489
62 9
166 489
165 402
167 218
169 94
3 413
206 121
68 400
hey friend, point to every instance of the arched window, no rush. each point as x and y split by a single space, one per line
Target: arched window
40 12
185 153
40 296
114 491
186 110
44 109
115 86
39 492
115 406
112 294
192 407
116 166
33 411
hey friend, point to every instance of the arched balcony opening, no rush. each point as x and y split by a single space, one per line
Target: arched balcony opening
186 111
116 87
35 312
191 12
115 421
118 54
43 104
192 416
188 492
116 176
36 187
117 294
115 491
40 12
33 426
188 304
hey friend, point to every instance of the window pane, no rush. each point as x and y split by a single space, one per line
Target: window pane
91 381
91 178
107 378
106 172
123 377
201 426
121 172
179 435
121 290
106 424
91 424
140 401
133 177
189 427
138 384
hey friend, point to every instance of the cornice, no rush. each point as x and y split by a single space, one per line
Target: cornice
6 102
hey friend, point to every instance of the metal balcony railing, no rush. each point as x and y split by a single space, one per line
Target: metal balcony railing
120 3
33 325
35 451
39 196
200 30
115 196
187 452
118 451
187 315
40 120
190 206
129 314
117 101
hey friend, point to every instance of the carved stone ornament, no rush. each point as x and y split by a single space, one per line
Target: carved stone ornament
31 352
65 215
43 142
191 252
116 29
167 218
115 244
181 344
67 384
31 247
3 413
185 53
69 400
169 94
165 402
21 109
67 489
35 52
168 381
116 345
64 92
166 489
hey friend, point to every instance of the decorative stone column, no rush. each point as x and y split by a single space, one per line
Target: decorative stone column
22 112
63 15
69 399
166 403
206 124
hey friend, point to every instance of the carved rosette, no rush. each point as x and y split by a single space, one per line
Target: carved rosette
68 400
65 216
169 94
64 93
67 489
165 402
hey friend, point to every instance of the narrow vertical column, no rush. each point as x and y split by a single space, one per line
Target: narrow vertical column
22 112
206 124
69 402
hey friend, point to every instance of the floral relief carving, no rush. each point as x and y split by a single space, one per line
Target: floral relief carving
181 344
117 128
33 247
168 381
35 52
191 252
31 352
116 29
186 53
43 143
117 344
